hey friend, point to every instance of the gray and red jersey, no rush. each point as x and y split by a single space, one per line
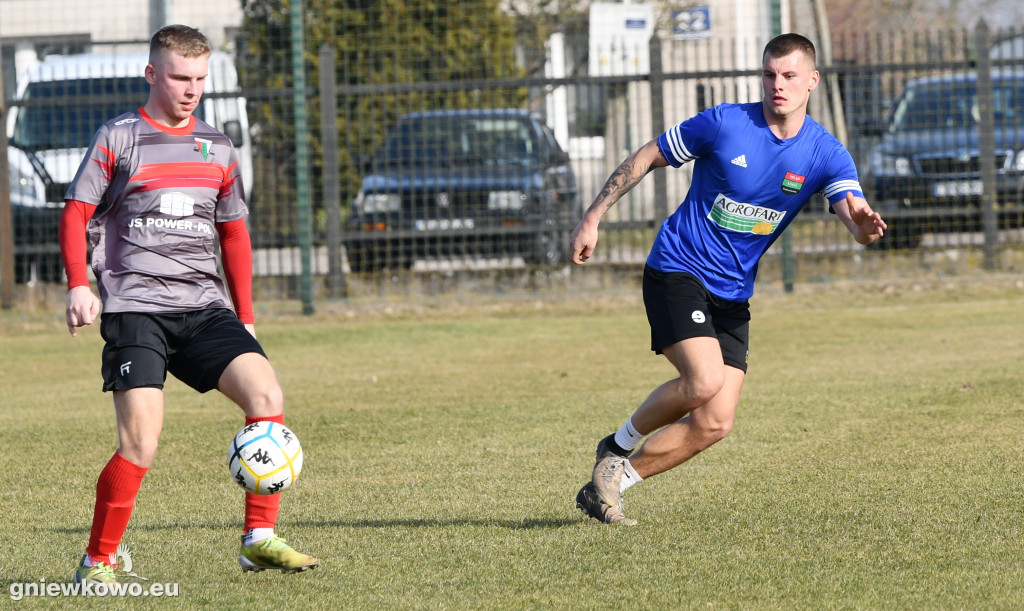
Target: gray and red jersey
159 192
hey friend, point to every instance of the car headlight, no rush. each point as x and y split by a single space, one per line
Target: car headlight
889 165
506 200
380 202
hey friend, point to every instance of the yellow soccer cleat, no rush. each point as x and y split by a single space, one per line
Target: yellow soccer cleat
274 554
94 573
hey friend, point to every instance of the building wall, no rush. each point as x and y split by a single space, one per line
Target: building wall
30 29
118 20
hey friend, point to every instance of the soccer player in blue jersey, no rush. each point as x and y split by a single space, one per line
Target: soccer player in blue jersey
755 166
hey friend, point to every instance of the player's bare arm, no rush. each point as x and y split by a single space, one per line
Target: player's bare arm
865 224
629 173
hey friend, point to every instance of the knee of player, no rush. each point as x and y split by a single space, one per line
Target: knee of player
703 387
712 432
719 430
139 451
268 401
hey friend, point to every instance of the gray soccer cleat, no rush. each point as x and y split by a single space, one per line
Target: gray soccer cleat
588 501
607 475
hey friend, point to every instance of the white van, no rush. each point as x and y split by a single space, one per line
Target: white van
60 102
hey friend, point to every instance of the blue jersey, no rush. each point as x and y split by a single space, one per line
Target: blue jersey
747 187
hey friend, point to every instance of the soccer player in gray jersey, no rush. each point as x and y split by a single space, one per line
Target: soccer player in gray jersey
154 192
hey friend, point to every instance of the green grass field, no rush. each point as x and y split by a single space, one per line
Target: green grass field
876 460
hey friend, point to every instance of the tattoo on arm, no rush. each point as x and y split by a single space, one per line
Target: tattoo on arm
624 178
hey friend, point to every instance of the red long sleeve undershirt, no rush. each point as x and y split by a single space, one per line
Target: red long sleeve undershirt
236 256
235 247
71 236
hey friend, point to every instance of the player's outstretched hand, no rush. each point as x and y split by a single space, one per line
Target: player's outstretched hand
583 241
868 221
82 309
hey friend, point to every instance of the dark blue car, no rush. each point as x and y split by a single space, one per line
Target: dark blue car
464 183
928 166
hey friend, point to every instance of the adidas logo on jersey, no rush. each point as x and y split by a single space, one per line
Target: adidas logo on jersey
740 161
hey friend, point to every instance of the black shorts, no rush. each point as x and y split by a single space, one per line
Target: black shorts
680 307
196 347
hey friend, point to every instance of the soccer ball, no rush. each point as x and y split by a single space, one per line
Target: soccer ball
265 457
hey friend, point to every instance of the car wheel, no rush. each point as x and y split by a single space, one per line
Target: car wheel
548 248
38 268
359 259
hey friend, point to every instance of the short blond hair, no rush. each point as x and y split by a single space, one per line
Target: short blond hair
180 39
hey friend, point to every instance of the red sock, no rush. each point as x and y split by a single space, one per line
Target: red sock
116 490
261 510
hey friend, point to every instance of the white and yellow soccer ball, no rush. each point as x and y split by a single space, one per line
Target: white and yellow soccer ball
265 458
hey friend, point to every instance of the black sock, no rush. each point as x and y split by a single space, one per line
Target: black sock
609 443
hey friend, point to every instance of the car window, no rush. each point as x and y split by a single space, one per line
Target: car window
67 113
932 108
950 106
557 153
459 141
497 141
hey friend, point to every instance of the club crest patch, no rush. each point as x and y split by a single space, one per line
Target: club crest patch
792 183
203 146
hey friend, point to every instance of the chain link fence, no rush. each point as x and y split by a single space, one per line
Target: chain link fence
410 148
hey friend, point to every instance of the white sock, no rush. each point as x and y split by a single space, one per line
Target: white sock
255 535
627 437
629 479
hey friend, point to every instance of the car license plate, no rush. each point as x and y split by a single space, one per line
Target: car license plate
958 188
443 224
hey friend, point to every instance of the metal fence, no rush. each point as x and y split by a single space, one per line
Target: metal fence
380 166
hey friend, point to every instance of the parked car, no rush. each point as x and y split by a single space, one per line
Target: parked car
464 183
928 159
